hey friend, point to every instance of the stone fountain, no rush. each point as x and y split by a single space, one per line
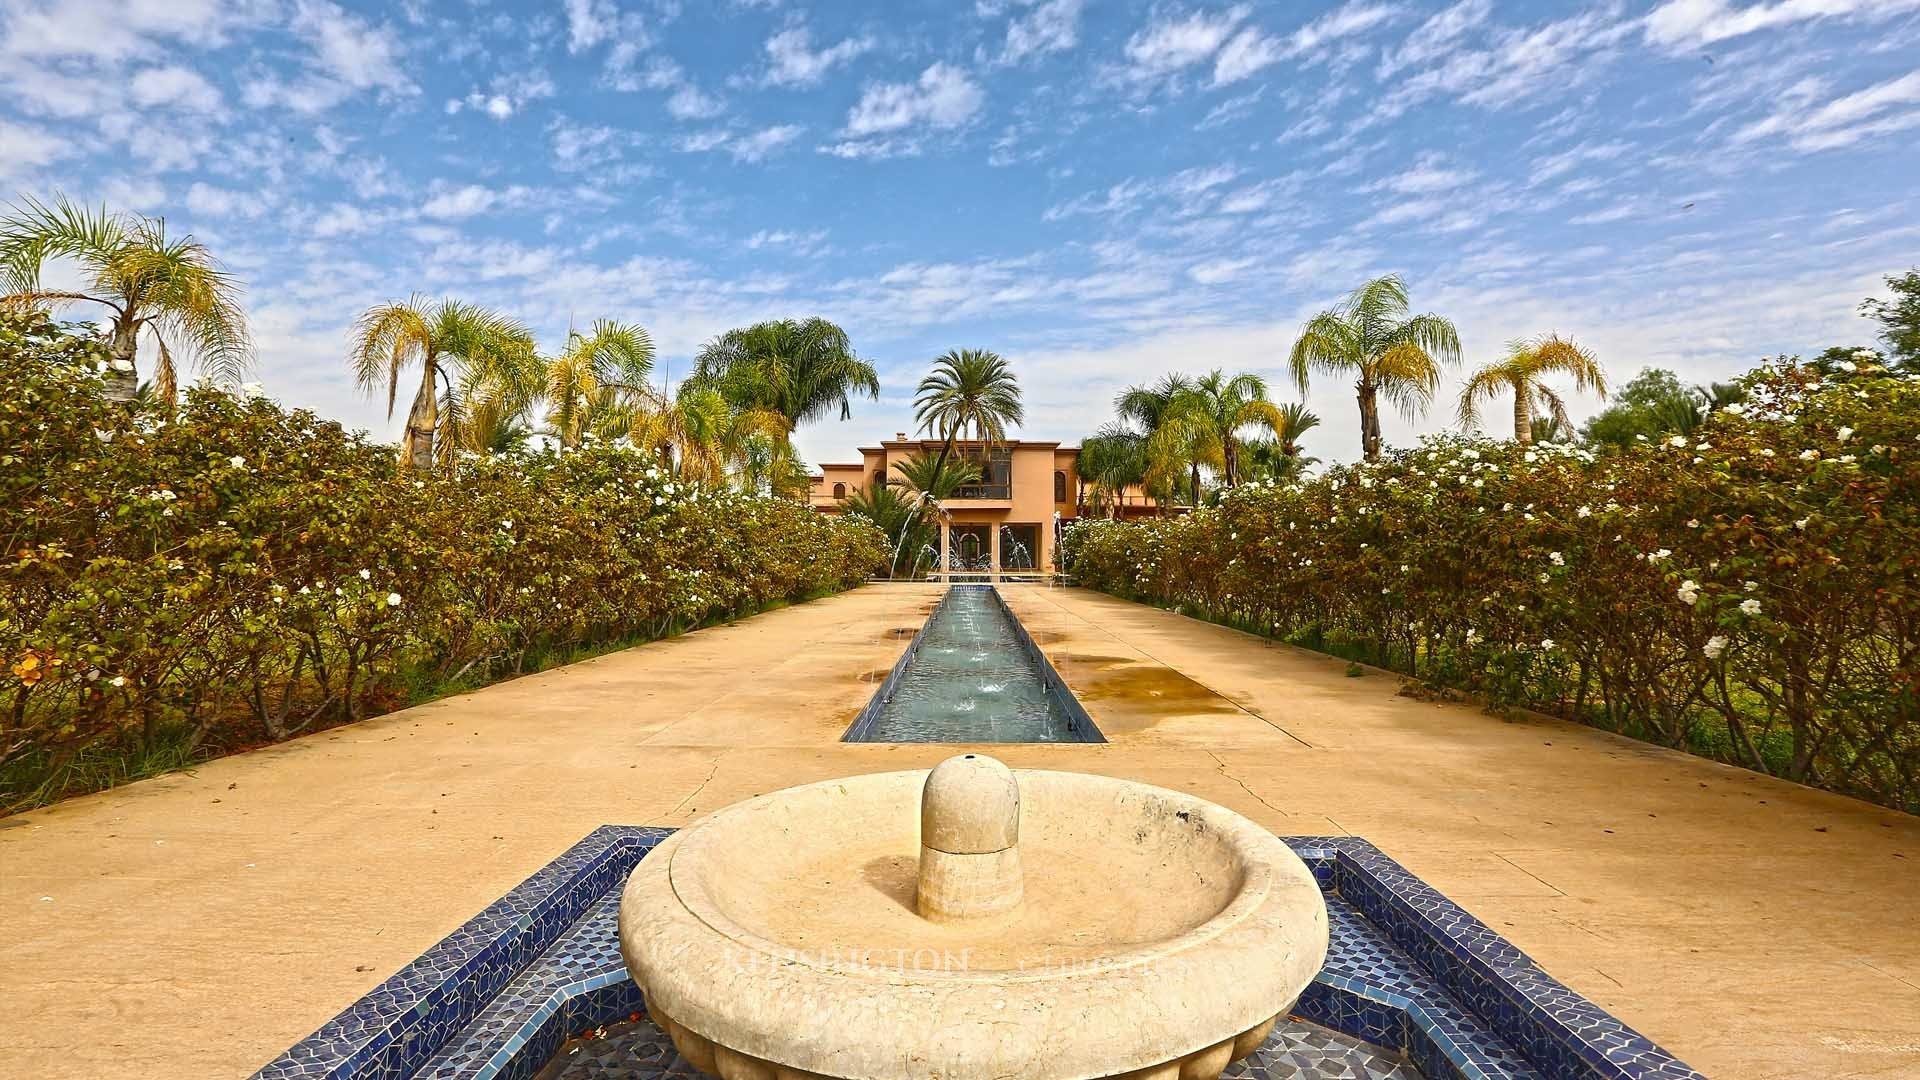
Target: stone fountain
968 923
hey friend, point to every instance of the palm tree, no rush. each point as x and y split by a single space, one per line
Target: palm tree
934 479
175 290
969 391
1113 459
1281 458
593 374
801 369
1388 353
1520 373
1216 409
462 349
901 518
1168 442
1717 396
704 439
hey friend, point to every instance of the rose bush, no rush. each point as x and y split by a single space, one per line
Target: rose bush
242 566
1750 592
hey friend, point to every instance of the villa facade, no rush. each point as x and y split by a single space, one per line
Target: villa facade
1008 521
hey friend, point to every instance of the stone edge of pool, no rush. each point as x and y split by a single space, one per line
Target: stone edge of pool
1408 970
1079 723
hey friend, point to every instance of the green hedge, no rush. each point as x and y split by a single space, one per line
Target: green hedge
236 565
1750 592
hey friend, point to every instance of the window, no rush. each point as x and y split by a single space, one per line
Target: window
996 477
879 478
839 491
1059 487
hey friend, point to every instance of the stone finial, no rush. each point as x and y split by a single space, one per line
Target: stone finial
969 840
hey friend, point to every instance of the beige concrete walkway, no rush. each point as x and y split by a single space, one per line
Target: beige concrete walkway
195 925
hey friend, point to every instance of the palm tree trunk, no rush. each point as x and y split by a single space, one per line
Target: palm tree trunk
1522 413
123 382
416 449
1368 396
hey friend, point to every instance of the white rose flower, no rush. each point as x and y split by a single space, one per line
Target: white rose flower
393 599
1558 558
237 461
1750 606
366 575
1677 441
1689 592
119 680
1844 434
1715 645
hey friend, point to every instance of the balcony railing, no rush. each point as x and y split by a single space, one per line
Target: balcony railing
984 491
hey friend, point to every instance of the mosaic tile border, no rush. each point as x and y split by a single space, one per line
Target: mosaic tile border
1079 721
1407 969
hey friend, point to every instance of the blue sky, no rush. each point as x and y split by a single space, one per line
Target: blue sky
1100 190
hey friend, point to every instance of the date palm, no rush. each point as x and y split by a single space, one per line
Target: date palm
933 479
1387 352
173 290
463 351
592 373
902 518
1520 373
1217 408
968 392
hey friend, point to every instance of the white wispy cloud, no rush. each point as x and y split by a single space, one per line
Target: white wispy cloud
1436 36
793 61
1679 24
794 241
1172 43
506 95
1048 26
1429 174
173 86
889 117
1549 166
452 203
1189 190
1218 270
1882 109
349 55
752 146
1509 65
26 147
590 22
208 202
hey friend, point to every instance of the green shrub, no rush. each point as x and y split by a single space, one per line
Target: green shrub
235 564
1751 592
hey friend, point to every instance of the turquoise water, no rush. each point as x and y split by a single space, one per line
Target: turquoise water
970 681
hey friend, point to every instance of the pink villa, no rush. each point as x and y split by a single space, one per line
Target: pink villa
1008 522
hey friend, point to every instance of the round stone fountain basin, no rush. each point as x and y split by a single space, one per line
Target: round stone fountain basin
1149 934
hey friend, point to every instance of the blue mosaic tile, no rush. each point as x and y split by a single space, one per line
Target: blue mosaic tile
1410 975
